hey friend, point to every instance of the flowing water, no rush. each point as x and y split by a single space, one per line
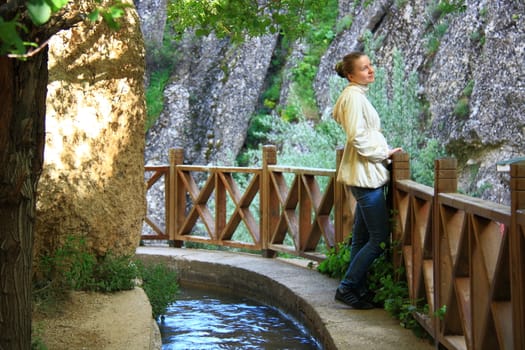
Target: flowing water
202 319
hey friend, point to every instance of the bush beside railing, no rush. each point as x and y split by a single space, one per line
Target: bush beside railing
460 253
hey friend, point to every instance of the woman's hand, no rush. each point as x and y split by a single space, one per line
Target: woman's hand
394 150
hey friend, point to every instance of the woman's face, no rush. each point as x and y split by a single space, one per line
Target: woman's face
363 71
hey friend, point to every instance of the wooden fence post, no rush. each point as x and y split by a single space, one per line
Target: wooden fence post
517 252
176 199
400 171
445 181
269 211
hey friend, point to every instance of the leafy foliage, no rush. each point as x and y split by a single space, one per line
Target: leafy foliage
10 39
231 19
388 284
155 96
318 35
160 285
74 267
40 12
336 262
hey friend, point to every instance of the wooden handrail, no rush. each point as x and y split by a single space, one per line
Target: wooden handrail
459 252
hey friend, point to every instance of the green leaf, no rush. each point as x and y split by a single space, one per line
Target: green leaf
39 11
93 16
56 4
116 12
10 39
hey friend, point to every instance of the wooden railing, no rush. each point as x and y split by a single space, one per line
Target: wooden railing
464 257
283 209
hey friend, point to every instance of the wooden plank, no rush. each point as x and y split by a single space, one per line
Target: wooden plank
327 201
155 226
153 237
302 171
161 168
153 179
446 163
250 192
456 342
243 245
230 185
517 170
409 269
293 195
447 174
462 289
502 314
279 185
312 190
518 184
482 208
209 169
428 274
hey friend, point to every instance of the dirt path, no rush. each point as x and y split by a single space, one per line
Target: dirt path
99 321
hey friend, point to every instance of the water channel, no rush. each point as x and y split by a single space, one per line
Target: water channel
203 320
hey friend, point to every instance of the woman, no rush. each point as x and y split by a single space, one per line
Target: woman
363 170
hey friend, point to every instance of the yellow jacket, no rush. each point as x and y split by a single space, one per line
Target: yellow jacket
366 149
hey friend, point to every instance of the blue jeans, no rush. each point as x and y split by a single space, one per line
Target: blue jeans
371 228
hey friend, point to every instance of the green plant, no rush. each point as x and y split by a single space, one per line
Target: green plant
319 33
160 285
451 6
434 38
344 24
422 166
258 129
461 110
467 91
36 337
71 265
155 96
336 262
114 273
74 267
291 113
387 282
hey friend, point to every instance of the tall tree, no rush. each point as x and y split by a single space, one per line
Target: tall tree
23 96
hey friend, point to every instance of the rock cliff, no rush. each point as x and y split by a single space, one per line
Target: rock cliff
213 92
92 183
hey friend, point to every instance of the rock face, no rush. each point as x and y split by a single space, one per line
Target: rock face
213 92
93 177
153 16
484 46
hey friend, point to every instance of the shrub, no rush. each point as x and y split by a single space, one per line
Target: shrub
73 267
155 96
160 285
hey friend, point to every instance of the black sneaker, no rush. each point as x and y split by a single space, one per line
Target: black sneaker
351 299
369 297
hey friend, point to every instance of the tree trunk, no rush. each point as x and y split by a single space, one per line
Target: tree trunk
23 87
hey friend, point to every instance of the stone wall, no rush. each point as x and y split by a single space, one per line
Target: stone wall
92 183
